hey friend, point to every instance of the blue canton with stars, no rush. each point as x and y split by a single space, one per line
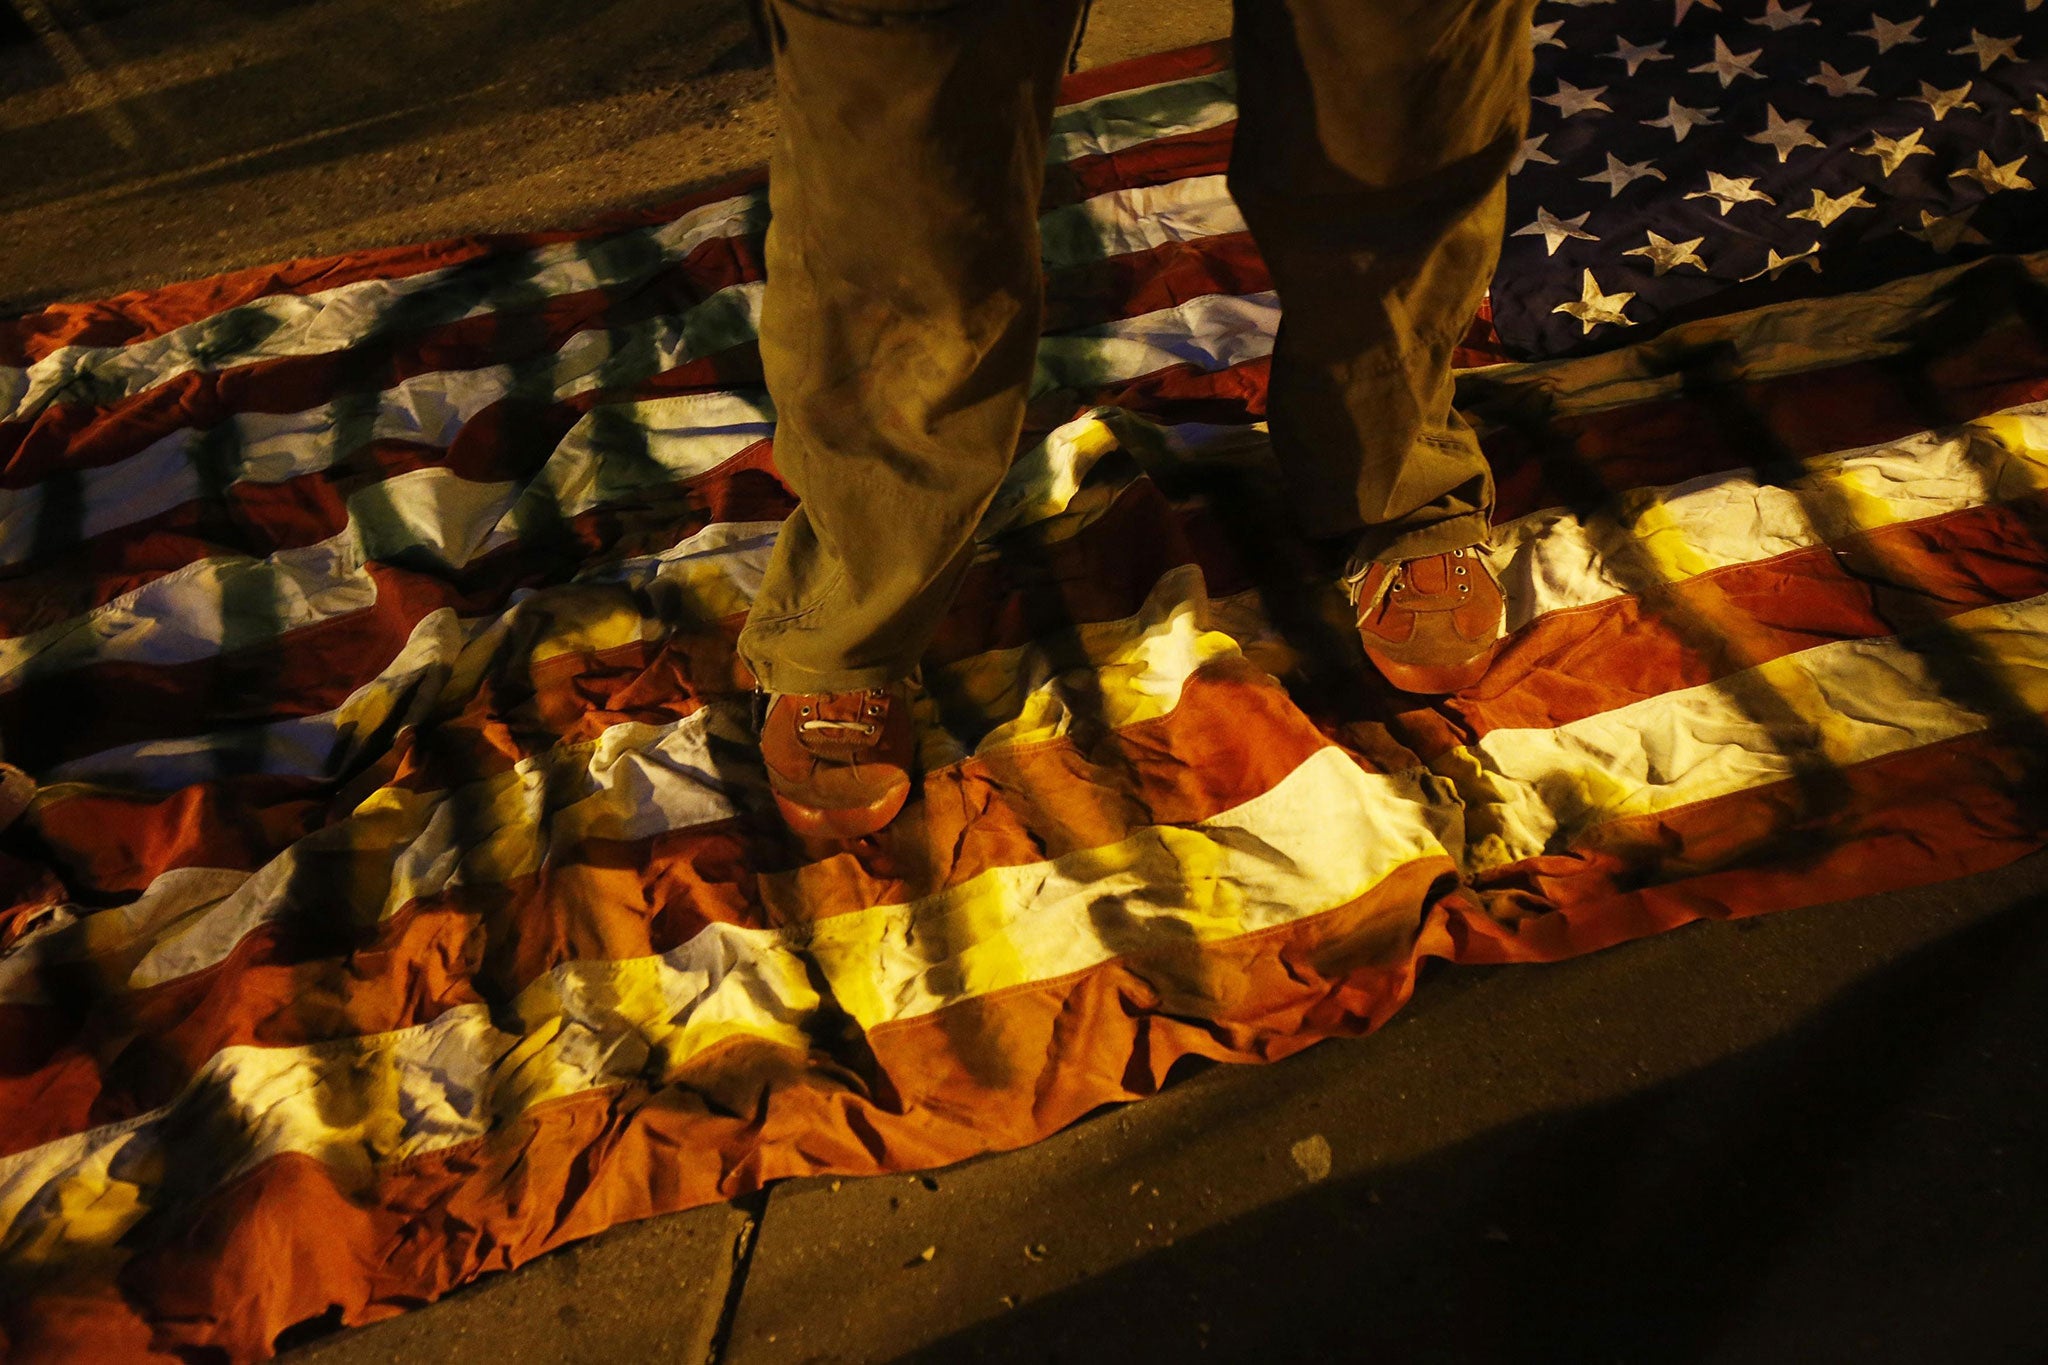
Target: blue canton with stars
1691 157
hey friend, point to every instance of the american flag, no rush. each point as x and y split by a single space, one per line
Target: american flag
401 900
1686 156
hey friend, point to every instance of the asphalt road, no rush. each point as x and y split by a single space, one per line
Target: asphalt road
1816 1136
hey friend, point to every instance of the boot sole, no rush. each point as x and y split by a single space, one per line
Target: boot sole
844 822
1436 679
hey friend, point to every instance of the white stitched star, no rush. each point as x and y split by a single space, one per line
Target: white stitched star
1826 208
2038 115
1838 83
1686 5
1635 56
1553 230
1891 152
1994 177
1620 174
1531 150
1681 120
1545 35
1988 50
1945 234
1888 35
1728 65
1666 255
1570 99
1776 17
1778 265
1729 190
1784 134
1592 307
1944 102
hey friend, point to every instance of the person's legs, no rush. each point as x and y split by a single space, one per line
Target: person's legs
1371 163
898 332
902 312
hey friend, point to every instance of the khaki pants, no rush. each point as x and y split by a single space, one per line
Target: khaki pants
902 312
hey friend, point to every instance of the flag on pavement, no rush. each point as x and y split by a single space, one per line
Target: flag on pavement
402 899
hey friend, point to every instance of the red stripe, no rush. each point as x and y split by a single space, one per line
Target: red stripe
1577 663
1561 669
76 436
1939 811
315 973
922 1093
1143 282
142 315
1104 573
1161 161
1586 459
76 712
419 1228
73 435
259 518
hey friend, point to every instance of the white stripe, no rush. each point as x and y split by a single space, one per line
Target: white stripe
1120 121
1211 332
1044 480
255 447
1321 837
69 935
181 617
281 325
177 618
1553 561
1530 790
636 781
326 745
1263 864
1141 219
668 440
633 781
430 409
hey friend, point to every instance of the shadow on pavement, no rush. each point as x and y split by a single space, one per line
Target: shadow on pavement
361 80
1866 1187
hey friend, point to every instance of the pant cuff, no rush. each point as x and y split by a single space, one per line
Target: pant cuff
1394 542
772 675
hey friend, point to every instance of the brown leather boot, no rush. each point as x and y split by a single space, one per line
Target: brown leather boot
1432 624
839 762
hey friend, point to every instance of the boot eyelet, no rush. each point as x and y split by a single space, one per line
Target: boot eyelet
1460 569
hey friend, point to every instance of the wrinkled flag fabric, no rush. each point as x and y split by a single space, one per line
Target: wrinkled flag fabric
403 901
